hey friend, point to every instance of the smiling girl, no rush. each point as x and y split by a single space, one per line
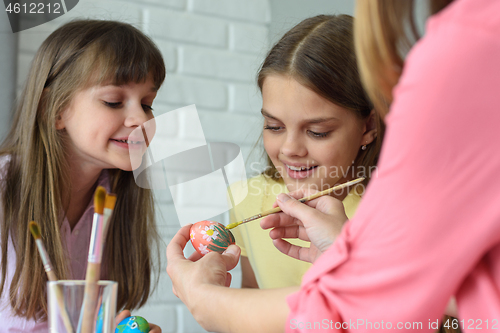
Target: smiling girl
320 129
90 85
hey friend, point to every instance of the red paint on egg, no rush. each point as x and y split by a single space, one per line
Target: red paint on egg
210 236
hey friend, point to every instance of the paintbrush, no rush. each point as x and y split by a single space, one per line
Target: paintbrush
94 263
311 197
109 206
47 265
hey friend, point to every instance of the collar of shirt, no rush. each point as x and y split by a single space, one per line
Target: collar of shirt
77 241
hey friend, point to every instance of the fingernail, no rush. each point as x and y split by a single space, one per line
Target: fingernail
283 197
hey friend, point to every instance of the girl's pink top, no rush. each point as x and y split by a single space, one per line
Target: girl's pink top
77 246
428 227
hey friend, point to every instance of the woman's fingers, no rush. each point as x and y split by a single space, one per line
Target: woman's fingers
176 262
278 220
294 251
231 256
293 231
297 210
320 224
178 243
229 277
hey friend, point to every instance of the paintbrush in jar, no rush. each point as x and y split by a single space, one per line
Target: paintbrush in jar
51 275
94 263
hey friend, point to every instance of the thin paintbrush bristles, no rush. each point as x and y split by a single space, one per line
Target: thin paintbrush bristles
109 206
99 198
47 265
35 230
311 197
110 201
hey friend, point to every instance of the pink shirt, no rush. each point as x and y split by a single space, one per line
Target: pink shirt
429 225
77 244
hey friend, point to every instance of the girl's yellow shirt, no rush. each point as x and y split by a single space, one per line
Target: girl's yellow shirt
272 268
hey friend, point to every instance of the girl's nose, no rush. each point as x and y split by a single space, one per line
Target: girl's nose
293 146
136 115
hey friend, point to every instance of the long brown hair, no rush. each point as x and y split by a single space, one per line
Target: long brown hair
384 32
319 54
77 55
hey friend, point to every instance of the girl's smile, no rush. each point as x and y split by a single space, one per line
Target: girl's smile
311 141
298 171
128 143
99 121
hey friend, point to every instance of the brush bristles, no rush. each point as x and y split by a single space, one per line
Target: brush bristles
110 201
99 198
35 230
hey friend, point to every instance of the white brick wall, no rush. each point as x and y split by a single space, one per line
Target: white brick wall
212 50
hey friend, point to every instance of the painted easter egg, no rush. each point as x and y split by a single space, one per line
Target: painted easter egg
210 236
134 324
99 320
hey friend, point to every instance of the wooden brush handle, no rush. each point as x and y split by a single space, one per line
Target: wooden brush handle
316 195
91 296
62 308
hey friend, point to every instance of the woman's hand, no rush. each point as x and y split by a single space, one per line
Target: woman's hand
201 284
191 278
318 221
126 313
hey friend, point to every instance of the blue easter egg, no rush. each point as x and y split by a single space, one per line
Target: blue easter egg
134 324
99 321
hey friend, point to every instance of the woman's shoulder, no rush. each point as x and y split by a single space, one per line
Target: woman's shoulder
472 14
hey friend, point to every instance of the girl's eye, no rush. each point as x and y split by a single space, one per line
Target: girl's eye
147 108
112 105
273 128
319 135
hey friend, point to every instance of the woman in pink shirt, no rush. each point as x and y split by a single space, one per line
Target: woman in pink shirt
429 225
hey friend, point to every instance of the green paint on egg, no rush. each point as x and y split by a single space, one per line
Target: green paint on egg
210 236
134 324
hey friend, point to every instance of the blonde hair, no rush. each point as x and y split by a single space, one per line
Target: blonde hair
384 32
76 55
319 53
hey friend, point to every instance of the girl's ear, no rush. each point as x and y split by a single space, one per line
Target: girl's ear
370 129
60 122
